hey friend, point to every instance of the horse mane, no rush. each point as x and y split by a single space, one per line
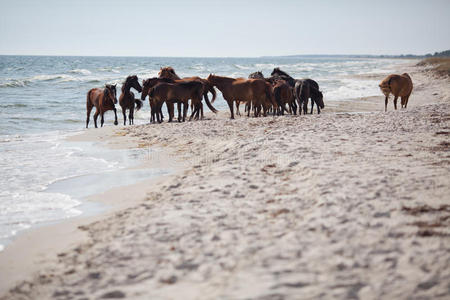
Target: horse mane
127 80
111 87
256 75
281 73
149 80
171 71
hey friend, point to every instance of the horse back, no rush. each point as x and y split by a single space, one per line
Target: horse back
398 85
93 96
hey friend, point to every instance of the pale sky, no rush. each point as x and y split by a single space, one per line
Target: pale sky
223 28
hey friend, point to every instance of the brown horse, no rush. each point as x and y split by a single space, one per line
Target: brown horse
399 86
127 100
282 92
179 93
255 91
103 100
169 72
147 85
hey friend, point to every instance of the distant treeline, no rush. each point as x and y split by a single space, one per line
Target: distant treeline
445 53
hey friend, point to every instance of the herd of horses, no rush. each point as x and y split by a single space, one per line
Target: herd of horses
277 94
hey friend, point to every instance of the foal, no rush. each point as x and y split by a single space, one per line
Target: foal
103 100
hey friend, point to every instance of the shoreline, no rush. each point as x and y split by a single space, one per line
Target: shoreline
34 247
212 150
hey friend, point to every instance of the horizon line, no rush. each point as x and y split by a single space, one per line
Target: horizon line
262 56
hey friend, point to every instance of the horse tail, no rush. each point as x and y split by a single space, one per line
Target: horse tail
138 104
213 92
301 93
209 103
88 99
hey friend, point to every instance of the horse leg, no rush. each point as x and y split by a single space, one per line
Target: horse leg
131 116
102 119
199 112
406 101
194 110
88 113
231 106
385 104
318 109
124 113
115 116
170 111
157 113
312 106
95 117
395 102
185 108
179 111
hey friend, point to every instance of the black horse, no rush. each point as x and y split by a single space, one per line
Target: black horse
304 90
310 90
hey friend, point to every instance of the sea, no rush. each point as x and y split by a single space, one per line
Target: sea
45 178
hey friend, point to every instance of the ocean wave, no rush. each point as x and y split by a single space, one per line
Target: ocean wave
241 67
58 78
110 69
14 83
13 105
80 71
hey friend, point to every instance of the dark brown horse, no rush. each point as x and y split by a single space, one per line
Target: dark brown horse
127 100
304 90
169 72
147 85
103 100
180 93
255 91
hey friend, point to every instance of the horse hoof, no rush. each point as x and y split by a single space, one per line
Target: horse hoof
116 123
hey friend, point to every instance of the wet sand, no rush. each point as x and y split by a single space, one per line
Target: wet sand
351 203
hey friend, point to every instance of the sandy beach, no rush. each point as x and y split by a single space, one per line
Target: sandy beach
353 203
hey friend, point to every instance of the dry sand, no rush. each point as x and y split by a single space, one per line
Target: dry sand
338 205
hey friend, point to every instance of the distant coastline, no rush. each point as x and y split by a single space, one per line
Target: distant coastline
445 53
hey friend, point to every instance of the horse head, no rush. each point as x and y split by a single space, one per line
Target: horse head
211 78
256 75
275 71
145 88
168 72
134 83
110 93
320 100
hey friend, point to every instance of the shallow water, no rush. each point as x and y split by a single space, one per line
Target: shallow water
42 101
